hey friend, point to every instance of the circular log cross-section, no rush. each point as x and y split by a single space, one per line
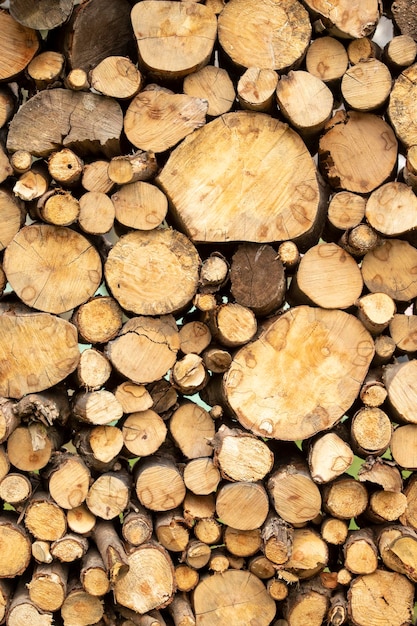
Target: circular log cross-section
358 151
216 177
401 106
324 352
261 38
235 597
51 268
346 18
153 273
18 46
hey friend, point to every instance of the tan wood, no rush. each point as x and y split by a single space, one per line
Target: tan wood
240 455
373 392
33 183
277 538
5 597
111 550
359 240
401 95
154 340
242 505
366 86
18 46
402 329
256 89
173 39
93 369
261 567
334 530
371 431
138 257
386 506
385 270
108 496
12 217
220 599
305 101
346 210
46 68
159 485
44 258
403 446
194 337
360 552
376 311
384 349
93 574
381 472
410 168
149 583
192 429
197 554
7 104
209 531
99 446
16 547
77 80
214 273
261 41
157 119
363 49
69 480
6 168
69 548
44 519
213 84
15 488
409 517
186 578
46 15
22 610
140 205
27 451
400 52
57 207
397 379
4 462
98 320
143 432
215 196
48 586
346 19
242 543
21 161
217 360
392 209
310 553
80 520
257 278
133 397
95 177
327 59
181 611
130 168
137 524
329 456
327 264
219 561
306 600
171 531
117 77
81 608
382 592
96 213
270 353
189 374
277 589
41 552
232 324
201 476
65 167
97 407
357 151
345 498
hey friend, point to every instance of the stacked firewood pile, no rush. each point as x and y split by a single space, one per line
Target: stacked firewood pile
208 335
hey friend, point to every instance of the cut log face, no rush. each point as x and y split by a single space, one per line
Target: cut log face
42 259
261 40
333 352
351 19
18 46
391 269
234 597
45 352
47 14
216 177
401 104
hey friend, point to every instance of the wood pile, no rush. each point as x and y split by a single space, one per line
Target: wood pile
208 335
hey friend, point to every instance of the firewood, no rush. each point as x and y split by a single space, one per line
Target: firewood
154 109
46 68
116 76
334 531
219 561
397 379
402 330
163 253
77 80
327 59
219 599
192 428
201 476
68 480
44 519
194 337
371 431
149 583
47 14
328 457
181 611
9 421
381 592
159 484
95 176
208 531
5 597
386 506
363 49
189 374
69 548
309 555
22 608
41 551
242 505
15 488
93 574
383 269
196 554
131 168
133 397
33 183
111 549
65 167
189 46
186 578
93 369
346 20
143 432
261 567
346 210
16 551
217 360
80 520
307 599
98 320
6 168
7 104
137 524
360 552
21 161
203 204
256 89
171 530
277 538
270 354
214 85
48 586
96 407
4 462
30 448
140 205
79 607
366 86
241 456
57 207
402 446
376 311
359 240
345 498
18 45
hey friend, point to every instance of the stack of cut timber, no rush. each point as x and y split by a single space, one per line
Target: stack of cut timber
208 324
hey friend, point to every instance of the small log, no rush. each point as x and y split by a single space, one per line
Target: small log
44 519
9 421
16 547
328 457
240 455
49 407
172 531
12 217
219 561
133 397
57 207
310 599
309 555
359 240
277 536
242 505
366 86
46 68
68 480
363 49
261 567
143 432
157 119
22 610
93 369
384 270
403 446
95 177
214 274
48 586
96 213
209 531
397 379
382 472
194 337
189 374
33 183
327 59
217 360
41 551
109 494
140 205
111 550
77 80
250 600
345 498
376 311
80 520
159 484
371 431
41 256
99 320
334 531
137 524
232 324
30 449
65 167
392 209
130 168
386 506
400 52
181 611
402 329
16 489
96 407
93 574
79 607
18 46
186 578
360 552
196 554
201 476
69 548
256 89
138 257
192 429
5 598
346 210
214 85
346 20
4 462
116 77
401 95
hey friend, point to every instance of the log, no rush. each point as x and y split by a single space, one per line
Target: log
44 519
256 89
48 586
345 19
327 59
367 85
213 84
16 547
116 76
140 205
18 45
98 320
47 14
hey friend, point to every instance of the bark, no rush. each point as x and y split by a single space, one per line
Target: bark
111 550
69 548
241 456
376 311
22 610
93 574
137 525
360 552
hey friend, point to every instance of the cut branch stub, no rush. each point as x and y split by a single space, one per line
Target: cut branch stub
325 353
262 38
44 349
154 272
216 178
51 268
53 118
174 39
